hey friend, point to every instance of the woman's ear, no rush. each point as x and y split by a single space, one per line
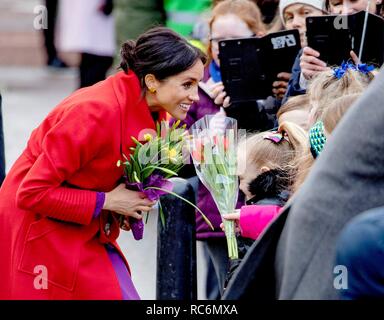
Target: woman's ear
151 82
264 169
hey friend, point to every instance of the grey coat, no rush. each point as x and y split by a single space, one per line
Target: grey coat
2 151
347 179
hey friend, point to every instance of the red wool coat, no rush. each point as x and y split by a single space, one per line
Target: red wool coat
48 197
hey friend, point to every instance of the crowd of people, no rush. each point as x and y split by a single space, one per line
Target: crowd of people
312 155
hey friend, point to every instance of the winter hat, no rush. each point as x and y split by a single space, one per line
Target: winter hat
318 4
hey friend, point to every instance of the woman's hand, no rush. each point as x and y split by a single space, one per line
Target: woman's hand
127 202
219 96
235 216
125 225
280 86
310 63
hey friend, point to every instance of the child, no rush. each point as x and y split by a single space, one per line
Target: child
293 14
334 83
320 132
229 19
270 163
295 110
310 62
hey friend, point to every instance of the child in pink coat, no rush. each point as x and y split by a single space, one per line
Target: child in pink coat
267 166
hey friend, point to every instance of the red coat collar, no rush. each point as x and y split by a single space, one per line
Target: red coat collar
133 108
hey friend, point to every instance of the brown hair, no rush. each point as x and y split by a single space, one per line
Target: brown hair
330 117
280 156
325 88
161 52
246 10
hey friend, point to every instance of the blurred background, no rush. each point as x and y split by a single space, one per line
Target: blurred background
32 84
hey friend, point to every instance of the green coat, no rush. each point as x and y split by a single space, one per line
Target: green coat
183 14
134 17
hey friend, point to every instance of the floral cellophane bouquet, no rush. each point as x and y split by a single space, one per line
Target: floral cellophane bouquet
214 156
150 165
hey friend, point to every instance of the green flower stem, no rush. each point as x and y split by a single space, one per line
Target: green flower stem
185 200
231 239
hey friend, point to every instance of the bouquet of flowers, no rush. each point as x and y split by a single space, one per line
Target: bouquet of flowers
214 156
150 165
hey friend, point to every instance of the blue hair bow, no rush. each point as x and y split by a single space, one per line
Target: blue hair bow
362 67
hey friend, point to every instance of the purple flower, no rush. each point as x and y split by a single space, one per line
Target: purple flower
155 180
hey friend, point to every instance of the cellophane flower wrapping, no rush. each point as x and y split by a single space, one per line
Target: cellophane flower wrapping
214 154
156 157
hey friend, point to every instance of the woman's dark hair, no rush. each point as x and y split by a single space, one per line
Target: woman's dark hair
161 52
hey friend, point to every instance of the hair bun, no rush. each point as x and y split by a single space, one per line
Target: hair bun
128 55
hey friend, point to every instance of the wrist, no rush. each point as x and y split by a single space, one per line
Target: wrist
107 201
100 200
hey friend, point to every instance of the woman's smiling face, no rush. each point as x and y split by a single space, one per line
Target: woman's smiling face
175 94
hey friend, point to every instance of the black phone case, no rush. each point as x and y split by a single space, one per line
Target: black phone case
249 66
335 36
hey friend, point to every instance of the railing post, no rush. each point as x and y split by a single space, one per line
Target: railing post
176 246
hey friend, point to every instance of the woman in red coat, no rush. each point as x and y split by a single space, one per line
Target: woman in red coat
60 201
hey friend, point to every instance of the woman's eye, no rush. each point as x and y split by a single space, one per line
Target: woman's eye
187 85
288 18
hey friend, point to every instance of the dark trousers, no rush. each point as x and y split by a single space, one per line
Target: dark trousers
2 153
49 34
360 249
93 68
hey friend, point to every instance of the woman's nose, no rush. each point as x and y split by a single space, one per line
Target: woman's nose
195 95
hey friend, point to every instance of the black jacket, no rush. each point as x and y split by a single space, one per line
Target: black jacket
255 276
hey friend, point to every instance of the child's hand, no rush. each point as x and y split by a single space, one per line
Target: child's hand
219 96
235 216
280 85
310 63
354 57
217 123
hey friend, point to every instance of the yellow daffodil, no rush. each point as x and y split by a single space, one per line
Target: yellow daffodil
172 153
148 137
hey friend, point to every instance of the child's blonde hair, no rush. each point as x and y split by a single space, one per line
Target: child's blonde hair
297 103
330 117
326 87
336 110
294 103
282 155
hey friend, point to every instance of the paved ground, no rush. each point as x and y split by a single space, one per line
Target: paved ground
29 92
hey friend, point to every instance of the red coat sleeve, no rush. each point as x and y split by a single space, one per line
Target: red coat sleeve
78 136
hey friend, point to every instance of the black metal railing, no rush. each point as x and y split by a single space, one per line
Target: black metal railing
176 246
